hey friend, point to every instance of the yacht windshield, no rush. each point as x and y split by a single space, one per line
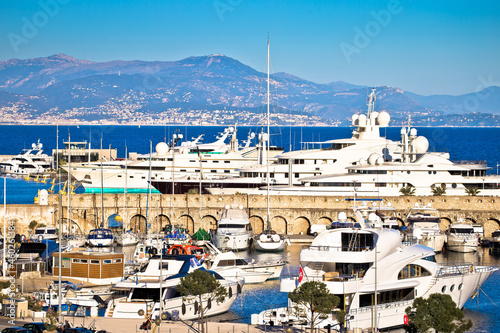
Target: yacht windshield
231 226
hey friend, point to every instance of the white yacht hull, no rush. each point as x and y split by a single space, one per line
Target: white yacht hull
100 242
463 245
178 308
434 241
233 242
127 240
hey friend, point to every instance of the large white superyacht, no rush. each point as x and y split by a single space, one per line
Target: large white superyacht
188 161
31 162
333 157
411 166
376 278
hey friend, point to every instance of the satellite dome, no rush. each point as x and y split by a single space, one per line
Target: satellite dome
421 144
342 217
373 115
403 131
373 158
354 119
372 217
362 161
161 148
413 132
383 119
379 161
362 120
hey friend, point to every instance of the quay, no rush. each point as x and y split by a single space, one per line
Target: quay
291 215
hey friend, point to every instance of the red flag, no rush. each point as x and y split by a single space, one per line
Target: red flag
301 274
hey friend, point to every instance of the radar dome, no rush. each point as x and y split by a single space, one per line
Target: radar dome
373 158
413 132
362 161
372 217
421 144
383 118
342 217
362 120
161 148
379 161
374 115
354 119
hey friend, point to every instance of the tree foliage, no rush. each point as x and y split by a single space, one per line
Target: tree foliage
33 224
407 190
201 285
472 191
437 312
438 190
316 298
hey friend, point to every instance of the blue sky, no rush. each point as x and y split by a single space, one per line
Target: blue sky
427 47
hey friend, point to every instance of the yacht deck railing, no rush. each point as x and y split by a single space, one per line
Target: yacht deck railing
338 248
464 269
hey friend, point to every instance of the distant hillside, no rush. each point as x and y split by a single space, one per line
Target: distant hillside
123 91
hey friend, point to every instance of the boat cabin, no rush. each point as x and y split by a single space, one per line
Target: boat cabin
92 267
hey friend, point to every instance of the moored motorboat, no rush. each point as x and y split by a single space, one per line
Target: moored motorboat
100 237
234 231
461 237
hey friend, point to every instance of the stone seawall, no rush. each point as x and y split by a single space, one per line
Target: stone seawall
288 214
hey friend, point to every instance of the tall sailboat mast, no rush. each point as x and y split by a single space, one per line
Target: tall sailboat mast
268 139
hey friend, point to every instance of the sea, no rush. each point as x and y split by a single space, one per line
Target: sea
462 143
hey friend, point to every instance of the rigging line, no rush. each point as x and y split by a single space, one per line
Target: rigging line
487 296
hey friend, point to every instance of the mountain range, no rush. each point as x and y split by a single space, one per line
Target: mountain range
128 91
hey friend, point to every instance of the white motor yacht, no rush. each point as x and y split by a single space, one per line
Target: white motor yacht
424 226
376 278
31 162
410 166
234 231
127 239
145 295
225 264
461 237
43 233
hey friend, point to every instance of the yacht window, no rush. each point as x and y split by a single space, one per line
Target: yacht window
119 176
430 258
227 161
226 262
389 296
412 271
183 170
191 161
282 161
231 226
107 261
94 261
213 171
380 184
119 260
146 293
286 174
443 290
357 241
76 261
338 146
227 171
296 175
196 170
83 261
215 161
240 262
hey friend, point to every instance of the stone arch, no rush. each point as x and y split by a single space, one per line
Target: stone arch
138 223
324 220
209 222
257 224
301 225
491 225
471 219
74 227
186 221
445 223
278 224
159 222
16 221
39 219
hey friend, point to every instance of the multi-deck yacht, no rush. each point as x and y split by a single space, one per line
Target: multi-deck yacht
234 231
31 162
411 166
375 277
424 226
158 295
461 237
332 157
187 162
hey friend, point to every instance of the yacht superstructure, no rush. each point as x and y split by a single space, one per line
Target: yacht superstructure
188 162
31 162
411 166
333 157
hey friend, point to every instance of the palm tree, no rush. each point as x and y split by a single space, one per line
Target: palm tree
472 191
438 190
407 190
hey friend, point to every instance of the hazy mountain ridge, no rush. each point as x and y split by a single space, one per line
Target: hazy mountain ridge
60 83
